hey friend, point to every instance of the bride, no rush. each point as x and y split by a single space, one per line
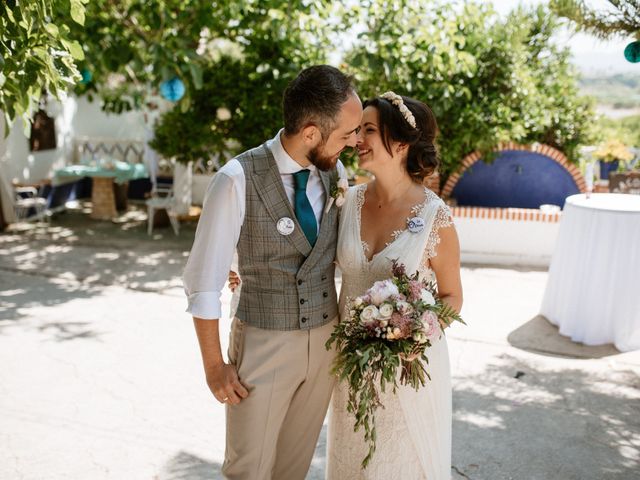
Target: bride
396 144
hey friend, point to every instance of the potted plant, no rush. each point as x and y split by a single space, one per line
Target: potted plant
609 155
627 181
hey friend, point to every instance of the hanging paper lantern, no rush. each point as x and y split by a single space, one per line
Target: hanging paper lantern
173 89
632 52
87 76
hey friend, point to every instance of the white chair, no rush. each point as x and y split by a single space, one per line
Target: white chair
162 199
26 199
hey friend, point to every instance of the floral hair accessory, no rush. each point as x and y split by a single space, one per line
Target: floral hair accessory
396 100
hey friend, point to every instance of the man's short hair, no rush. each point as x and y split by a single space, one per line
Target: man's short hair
315 96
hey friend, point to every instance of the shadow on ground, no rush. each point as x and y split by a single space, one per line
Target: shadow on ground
185 466
564 424
19 291
316 470
75 257
540 336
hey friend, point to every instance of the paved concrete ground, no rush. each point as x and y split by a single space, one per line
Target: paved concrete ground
100 375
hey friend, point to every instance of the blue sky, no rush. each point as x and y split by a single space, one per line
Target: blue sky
589 54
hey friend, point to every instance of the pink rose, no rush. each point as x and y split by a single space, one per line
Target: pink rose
431 325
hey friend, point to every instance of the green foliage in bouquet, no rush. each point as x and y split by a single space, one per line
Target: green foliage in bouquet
383 341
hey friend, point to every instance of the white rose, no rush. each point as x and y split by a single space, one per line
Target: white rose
339 201
386 310
369 313
343 184
427 297
382 290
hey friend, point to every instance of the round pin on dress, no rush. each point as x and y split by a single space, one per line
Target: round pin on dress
415 224
285 226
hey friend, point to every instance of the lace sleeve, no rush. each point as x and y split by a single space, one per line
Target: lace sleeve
443 219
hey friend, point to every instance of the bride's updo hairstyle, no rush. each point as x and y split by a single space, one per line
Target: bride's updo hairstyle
395 124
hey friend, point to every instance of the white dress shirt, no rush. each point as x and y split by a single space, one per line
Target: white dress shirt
220 222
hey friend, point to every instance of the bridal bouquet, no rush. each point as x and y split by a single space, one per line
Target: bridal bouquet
383 341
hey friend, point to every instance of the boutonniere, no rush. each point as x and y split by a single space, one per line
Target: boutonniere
338 190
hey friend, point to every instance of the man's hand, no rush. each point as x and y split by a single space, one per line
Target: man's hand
222 378
225 385
234 280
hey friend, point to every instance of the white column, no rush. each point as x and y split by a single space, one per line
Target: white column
182 179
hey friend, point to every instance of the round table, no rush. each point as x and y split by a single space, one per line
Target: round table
593 290
104 173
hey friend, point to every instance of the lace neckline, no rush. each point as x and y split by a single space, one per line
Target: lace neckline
415 211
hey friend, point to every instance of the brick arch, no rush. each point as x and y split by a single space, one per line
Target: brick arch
540 148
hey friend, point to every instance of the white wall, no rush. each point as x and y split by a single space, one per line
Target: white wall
506 242
74 117
89 120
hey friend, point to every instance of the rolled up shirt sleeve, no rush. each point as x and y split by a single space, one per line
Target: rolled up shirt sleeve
215 242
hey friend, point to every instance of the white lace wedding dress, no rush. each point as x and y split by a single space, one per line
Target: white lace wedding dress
414 428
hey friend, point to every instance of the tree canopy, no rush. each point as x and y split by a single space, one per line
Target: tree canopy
622 18
248 67
488 79
37 54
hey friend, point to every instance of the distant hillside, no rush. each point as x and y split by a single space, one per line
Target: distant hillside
620 91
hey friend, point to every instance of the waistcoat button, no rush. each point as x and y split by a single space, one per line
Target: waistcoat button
303 319
302 301
325 294
325 316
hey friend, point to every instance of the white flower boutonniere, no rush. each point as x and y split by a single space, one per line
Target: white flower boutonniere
338 191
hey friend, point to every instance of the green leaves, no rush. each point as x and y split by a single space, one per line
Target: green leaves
37 55
74 49
196 75
52 30
77 11
487 79
621 18
252 49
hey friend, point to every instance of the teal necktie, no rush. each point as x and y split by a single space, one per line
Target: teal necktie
302 206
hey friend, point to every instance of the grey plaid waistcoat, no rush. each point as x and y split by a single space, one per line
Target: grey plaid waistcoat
286 284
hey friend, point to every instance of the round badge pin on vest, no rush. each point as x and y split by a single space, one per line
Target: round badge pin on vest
285 226
415 224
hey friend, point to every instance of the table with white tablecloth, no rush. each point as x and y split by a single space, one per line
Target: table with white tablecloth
593 290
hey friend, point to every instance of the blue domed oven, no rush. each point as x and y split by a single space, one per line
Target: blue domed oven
519 177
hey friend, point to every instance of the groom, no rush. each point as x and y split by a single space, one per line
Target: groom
272 205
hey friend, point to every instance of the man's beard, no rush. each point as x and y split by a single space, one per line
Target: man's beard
322 162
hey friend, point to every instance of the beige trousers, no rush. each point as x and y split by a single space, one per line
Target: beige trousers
272 434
